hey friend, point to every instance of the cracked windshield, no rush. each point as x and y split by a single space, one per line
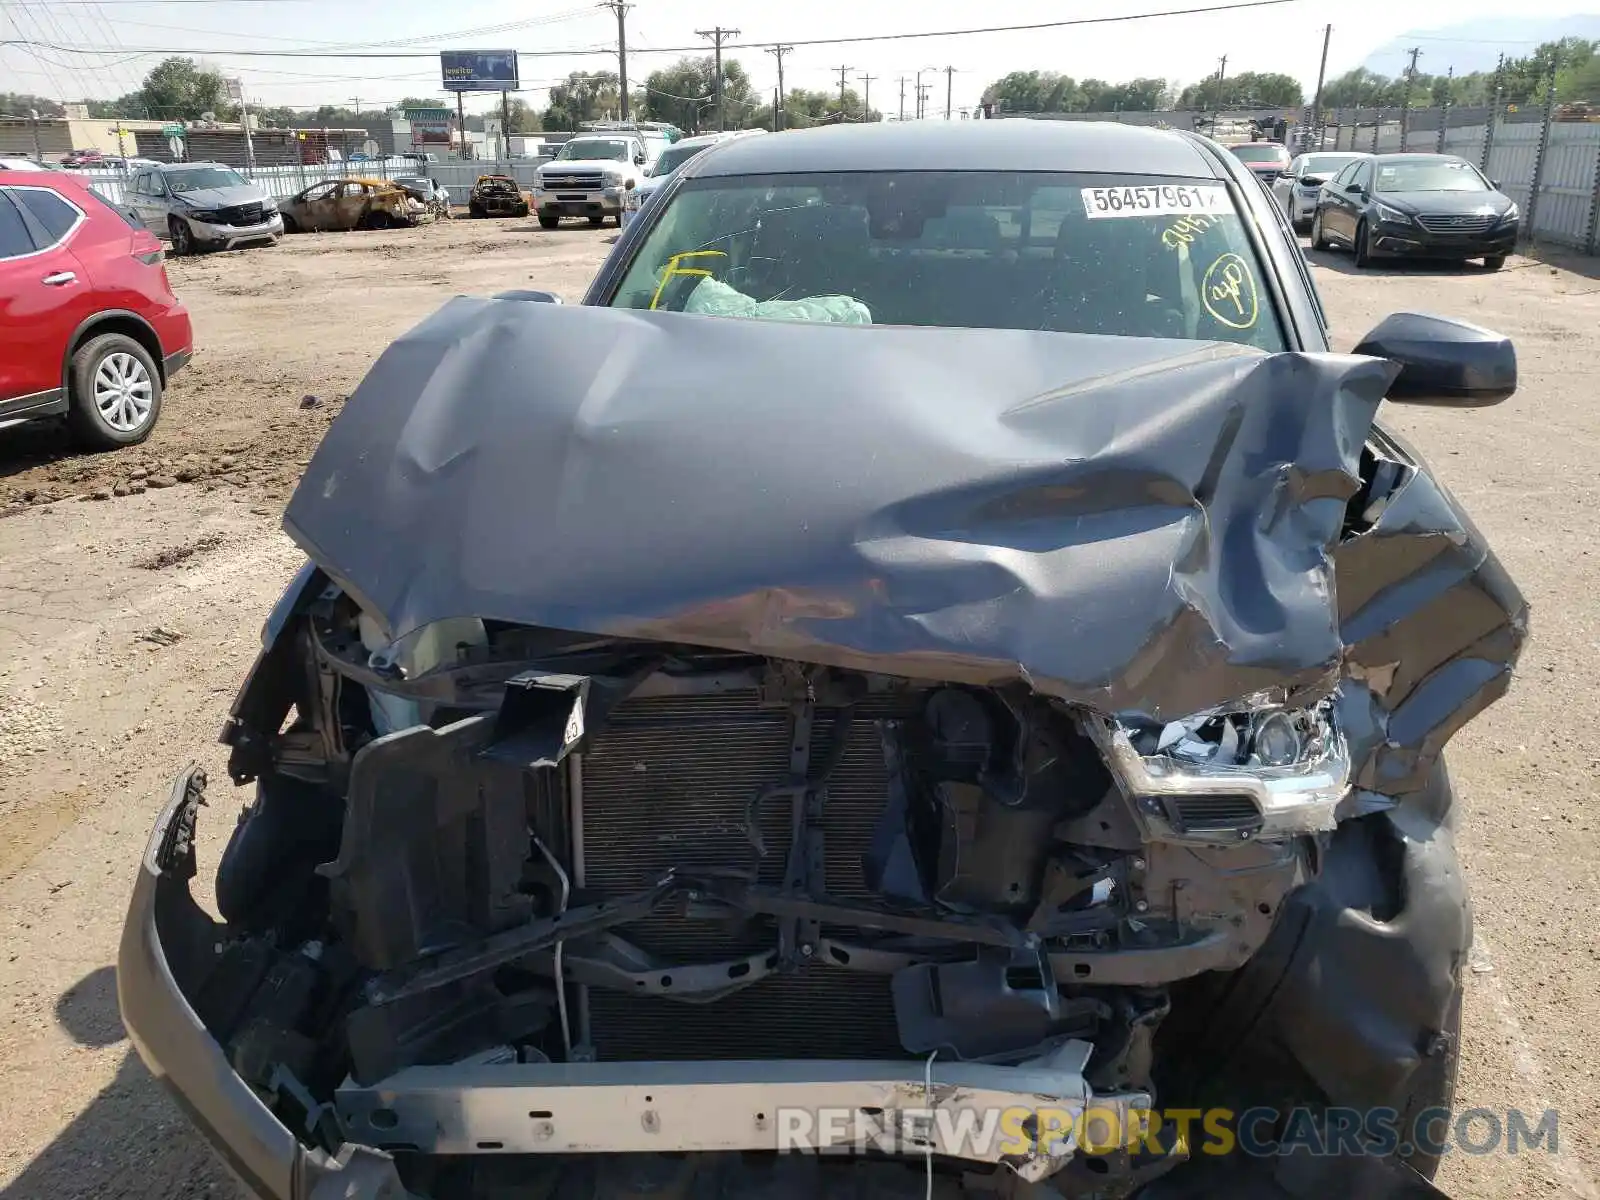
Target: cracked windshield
1135 257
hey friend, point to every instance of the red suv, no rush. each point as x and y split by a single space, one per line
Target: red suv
89 326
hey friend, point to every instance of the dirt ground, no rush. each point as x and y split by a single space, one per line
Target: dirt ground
281 337
125 626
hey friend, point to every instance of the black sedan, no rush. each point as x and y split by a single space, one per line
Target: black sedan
1416 206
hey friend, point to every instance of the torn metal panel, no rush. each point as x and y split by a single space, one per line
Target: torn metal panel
1433 625
1133 525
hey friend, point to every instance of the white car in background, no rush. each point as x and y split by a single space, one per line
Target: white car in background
673 157
590 176
1298 187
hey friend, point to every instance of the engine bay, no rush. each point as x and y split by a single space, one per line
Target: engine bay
552 848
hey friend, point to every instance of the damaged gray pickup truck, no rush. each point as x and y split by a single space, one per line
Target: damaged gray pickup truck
922 741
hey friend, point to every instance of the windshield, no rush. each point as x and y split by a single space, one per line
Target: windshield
1430 175
198 178
592 148
1260 154
675 156
1138 257
1326 164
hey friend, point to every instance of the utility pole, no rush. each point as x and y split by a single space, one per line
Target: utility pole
843 71
949 89
922 98
38 151
505 126
620 7
1316 105
716 37
244 122
778 113
902 97
461 122
1444 112
1405 96
1216 108
866 97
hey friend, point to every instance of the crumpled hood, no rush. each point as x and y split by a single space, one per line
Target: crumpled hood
1134 525
223 197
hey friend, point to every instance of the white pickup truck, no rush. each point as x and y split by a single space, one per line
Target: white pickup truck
589 177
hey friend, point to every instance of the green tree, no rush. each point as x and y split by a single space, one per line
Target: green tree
684 94
1136 95
523 118
20 104
274 117
582 96
1360 88
803 108
1247 89
1034 92
423 102
179 89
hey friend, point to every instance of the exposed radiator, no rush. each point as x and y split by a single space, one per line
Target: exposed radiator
819 1012
669 783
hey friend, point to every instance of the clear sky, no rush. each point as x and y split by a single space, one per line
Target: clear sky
1285 38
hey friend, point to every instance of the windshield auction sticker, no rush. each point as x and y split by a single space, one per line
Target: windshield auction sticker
1155 200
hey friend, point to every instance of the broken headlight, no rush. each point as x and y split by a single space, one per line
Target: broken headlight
1230 775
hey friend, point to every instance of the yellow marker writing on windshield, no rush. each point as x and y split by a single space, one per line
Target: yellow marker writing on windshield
1229 292
673 268
1183 231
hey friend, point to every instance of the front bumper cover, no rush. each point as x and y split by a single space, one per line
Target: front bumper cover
1394 239
229 236
169 943
579 202
166 943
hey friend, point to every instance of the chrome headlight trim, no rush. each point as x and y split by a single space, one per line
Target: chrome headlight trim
1290 800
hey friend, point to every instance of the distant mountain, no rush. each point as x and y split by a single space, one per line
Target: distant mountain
1477 45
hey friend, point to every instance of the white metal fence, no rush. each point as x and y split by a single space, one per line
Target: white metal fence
283 181
1550 167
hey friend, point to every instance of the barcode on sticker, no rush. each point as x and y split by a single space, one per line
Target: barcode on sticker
1155 200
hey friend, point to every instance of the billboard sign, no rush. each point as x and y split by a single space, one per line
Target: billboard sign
479 70
429 126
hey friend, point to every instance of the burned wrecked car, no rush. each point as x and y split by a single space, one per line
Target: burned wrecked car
340 205
836 753
497 196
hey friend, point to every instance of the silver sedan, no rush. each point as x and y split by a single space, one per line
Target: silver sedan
1296 189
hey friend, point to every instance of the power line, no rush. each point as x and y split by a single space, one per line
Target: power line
577 52
303 43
